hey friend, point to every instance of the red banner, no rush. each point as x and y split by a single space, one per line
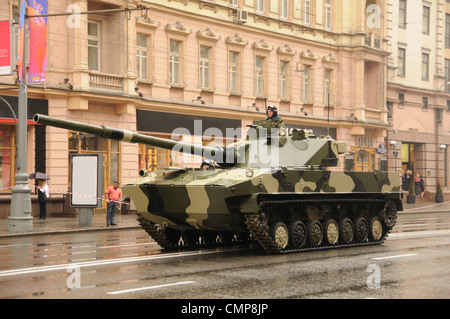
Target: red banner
6 55
38 40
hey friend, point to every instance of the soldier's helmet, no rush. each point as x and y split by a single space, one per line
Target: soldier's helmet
273 108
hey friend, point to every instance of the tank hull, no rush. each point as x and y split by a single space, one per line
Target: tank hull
239 201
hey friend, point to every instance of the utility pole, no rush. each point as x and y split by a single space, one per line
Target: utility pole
20 219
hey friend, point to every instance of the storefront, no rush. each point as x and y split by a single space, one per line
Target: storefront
8 139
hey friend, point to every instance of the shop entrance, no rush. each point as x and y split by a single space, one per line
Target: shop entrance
408 156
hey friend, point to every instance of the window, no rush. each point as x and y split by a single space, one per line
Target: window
259 76
142 56
260 6
402 14
447 31
438 116
401 99
401 62
425 103
426 20
6 157
174 62
234 3
94 45
327 86
284 9
152 158
283 80
233 71
306 9
205 69
328 14
447 75
425 66
390 109
306 83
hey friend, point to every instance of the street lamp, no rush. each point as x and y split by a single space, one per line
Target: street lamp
395 159
20 219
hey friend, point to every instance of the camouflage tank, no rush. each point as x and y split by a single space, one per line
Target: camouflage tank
281 190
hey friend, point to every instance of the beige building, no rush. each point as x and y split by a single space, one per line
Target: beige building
323 63
418 88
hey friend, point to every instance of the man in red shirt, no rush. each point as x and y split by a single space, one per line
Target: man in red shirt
113 195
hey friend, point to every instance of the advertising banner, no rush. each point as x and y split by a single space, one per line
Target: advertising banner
21 37
6 48
38 40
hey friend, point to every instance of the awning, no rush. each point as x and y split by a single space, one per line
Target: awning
4 120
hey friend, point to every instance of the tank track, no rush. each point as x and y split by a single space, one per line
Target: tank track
259 231
260 234
155 232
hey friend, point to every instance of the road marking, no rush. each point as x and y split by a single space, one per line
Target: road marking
149 287
420 233
392 257
127 245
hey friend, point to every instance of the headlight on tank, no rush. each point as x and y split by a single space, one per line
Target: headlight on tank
249 172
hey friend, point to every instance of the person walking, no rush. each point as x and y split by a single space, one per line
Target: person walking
113 195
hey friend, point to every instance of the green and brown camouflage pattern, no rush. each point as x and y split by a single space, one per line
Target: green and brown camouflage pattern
271 182
215 199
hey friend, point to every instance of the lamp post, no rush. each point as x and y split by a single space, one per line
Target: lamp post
395 161
20 219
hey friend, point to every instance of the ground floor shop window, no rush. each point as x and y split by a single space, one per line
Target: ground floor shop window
407 157
364 159
7 136
152 158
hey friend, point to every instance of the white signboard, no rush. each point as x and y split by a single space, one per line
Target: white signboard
86 180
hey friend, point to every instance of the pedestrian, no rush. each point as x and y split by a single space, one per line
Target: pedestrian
113 195
408 179
403 181
43 195
419 184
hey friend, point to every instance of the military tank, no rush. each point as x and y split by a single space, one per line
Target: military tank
282 190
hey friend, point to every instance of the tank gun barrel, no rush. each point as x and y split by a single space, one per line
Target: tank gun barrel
132 137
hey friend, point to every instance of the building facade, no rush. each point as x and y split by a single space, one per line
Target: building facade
418 91
188 66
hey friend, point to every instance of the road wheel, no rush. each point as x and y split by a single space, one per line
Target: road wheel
226 237
280 234
172 235
315 233
375 229
346 230
361 229
191 237
331 231
209 237
297 234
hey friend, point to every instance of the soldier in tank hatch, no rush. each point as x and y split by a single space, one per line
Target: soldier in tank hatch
272 120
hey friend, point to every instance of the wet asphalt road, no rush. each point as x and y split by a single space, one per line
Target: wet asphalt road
412 263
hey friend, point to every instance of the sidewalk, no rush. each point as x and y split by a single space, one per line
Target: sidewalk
54 225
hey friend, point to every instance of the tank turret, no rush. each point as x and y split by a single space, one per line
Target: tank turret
274 188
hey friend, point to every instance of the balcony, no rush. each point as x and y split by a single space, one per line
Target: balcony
105 81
